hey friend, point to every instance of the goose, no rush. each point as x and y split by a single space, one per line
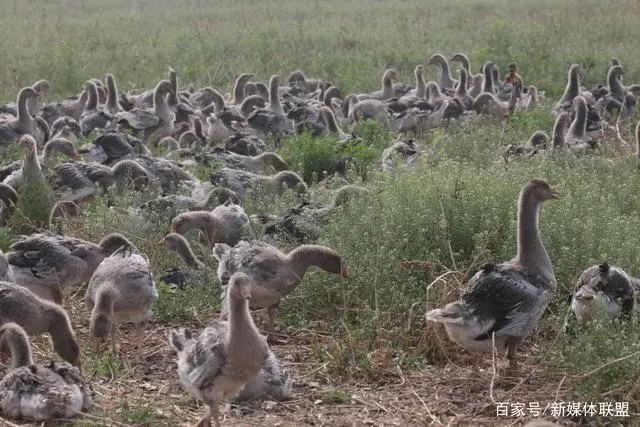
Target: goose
8 202
28 172
12 129
227 223
61 210
205 97
571 91
67 128
11 109
261 163
271 120
112 106
446 82
155 123
238 88
576 137
245 144
463 60
489 104
504 302
146 99
462 92
177 243
297 78
369 109
562 123
418 121
536 143
402 150
72 107
387 91
413 96
272 381
77 181
110 147
92 118
218 364
121 289
637 133
173 204
332 125
38 316
273 273
604 288
36 392
51 265
488 84
617 97
302 224
239 181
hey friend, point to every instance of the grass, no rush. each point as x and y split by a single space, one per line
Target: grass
360 347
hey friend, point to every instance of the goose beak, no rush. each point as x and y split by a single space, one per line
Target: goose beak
161 242
344 272
555 194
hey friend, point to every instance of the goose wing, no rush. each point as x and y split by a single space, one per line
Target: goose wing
139 119
505 293
203 358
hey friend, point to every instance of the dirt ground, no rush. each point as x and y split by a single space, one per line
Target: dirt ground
450 394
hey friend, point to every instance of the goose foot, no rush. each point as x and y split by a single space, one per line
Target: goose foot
274 340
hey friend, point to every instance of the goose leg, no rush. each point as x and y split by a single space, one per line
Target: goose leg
206 420
113 338
474 362
511 355
271 314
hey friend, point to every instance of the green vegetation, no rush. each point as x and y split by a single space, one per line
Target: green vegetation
455 210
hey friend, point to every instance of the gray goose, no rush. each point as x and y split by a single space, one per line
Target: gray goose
240 181
273 273
51 265
218 364
93 118
121 289
154 123
603 288
504 302
11 129
227 223
37 392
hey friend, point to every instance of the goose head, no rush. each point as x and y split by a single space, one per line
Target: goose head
29 145
240 286
540 190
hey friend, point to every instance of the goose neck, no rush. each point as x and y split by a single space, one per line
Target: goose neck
531 251
16 339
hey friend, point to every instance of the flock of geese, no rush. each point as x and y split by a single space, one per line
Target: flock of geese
230 358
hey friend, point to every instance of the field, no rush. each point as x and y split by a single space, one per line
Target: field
359 349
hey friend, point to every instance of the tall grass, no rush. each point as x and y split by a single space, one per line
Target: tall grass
349 43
